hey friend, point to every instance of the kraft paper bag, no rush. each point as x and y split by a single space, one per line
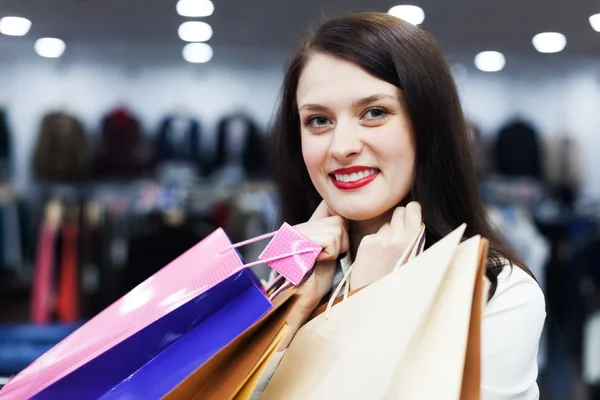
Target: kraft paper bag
412 335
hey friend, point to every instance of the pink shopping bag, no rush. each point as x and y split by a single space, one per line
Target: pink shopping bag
203 266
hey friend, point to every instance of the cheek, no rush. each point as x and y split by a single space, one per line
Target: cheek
391 147
314 153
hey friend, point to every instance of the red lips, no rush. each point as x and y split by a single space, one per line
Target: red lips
355 184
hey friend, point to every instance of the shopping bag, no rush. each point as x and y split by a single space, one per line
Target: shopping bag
233 372
138 327
212 320
414 334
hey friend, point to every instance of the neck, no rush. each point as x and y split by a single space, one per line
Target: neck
360 229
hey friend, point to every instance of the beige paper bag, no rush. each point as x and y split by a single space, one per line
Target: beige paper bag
413 335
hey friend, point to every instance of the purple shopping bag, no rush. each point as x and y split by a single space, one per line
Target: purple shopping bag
195 331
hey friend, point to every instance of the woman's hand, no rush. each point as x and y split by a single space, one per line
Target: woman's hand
378 253
330 231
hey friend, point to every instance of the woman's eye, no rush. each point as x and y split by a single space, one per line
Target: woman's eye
375 113
317 121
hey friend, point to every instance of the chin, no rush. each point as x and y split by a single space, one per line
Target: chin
354 212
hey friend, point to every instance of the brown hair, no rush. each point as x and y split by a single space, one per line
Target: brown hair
444 180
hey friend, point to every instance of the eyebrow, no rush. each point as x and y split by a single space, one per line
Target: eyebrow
360 102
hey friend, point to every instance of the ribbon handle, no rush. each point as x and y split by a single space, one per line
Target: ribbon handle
290 253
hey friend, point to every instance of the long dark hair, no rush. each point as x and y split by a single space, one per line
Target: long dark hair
444 180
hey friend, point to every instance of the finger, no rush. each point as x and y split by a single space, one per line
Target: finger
330 246
413 217
397 222
322 211
384 230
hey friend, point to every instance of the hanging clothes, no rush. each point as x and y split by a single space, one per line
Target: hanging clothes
178 139
122 152
12 254
62 151
517 151
67 302
153 248
241 151
5 147
42 297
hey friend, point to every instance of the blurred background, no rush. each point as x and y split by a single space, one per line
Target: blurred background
131 129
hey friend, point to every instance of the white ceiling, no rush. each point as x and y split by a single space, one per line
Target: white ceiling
461 26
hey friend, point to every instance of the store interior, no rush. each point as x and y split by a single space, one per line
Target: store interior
132 129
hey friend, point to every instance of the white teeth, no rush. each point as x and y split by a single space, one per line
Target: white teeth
355 176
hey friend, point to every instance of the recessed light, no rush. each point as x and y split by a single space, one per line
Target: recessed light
595 22
195 8
549 42
197 52
490 61
413 14
50 47
195 31
14 26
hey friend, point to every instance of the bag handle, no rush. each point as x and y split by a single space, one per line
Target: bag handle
274 257
415 248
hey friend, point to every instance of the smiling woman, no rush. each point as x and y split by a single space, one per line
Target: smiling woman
371 141
354 122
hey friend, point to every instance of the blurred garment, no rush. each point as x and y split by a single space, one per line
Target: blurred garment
122 152
156 247
241 150
5 147
517 151
62 152
178 139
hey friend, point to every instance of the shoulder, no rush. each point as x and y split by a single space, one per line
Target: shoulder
516 290
512 326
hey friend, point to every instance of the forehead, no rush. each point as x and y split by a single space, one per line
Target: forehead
326 80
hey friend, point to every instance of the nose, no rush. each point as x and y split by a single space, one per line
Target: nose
345 143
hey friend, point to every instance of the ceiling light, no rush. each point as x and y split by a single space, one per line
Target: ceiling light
50 47
490 61
195 31
14 26
595 22
197 52
413 14
195 8
549 42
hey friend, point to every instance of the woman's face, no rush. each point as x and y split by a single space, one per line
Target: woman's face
357 142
